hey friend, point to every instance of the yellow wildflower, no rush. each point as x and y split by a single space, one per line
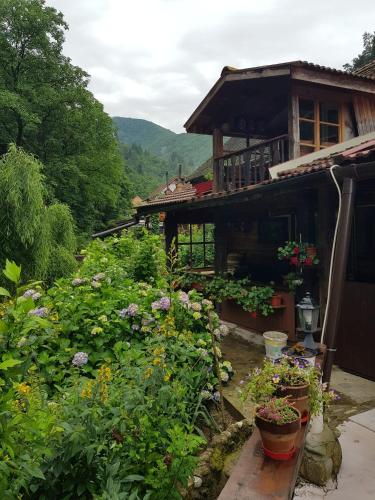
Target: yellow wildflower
24 389
87 390
104 374
156 361
54 316
148 372
167 376
159 351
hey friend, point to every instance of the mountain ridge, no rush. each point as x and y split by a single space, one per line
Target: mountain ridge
190 150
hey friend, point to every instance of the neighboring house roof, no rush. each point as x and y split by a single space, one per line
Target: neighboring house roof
367 70
187 193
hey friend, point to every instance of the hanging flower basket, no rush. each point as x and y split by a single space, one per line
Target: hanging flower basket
298 254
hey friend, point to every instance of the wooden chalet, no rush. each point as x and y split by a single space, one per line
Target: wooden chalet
282 136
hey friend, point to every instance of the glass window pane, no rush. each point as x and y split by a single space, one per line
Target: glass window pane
329 112
306 132
306 109
329 135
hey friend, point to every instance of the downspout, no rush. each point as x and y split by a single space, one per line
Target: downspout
339 259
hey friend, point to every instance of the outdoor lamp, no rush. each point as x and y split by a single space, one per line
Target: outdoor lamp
308 313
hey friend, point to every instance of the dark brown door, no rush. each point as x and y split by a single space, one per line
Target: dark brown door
356 337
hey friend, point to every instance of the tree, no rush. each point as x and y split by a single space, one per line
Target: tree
46 108
39 237
367 55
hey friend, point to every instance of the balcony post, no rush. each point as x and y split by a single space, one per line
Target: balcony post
217 151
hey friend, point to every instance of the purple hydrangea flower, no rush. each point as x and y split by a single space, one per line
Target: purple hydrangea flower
130 311
29 293
42 312
165 303
155 305
36 296
184 297
80 359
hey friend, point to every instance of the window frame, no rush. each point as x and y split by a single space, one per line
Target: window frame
316 145
192 243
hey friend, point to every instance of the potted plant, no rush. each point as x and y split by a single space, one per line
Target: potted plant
296 254
297 381
278 422
300 354
311 250
276 300
257 300
293 280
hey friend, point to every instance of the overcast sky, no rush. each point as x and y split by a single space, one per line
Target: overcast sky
156 59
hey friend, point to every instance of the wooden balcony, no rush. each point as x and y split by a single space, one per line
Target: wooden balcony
249 166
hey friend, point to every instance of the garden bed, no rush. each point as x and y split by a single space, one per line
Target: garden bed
108 378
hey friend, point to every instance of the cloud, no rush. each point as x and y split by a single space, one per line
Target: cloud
156 59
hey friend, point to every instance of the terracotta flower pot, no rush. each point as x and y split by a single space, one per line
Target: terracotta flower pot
278 440
311 251
299 397
276 300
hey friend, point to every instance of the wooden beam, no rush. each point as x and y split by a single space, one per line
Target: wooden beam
171 234
256 477
293 125
331 79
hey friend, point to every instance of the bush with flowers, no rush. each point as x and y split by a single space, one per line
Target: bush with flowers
104 378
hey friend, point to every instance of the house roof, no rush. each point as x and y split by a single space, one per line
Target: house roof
368 70
296 70
320 156
363 149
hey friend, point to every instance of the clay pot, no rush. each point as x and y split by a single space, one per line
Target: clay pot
311 251
276 300
299 397
278 440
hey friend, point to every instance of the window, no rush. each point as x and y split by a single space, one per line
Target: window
196 245
319 125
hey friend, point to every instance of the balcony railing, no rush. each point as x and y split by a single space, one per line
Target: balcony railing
249 166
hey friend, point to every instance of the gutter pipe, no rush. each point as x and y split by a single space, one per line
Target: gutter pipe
350 174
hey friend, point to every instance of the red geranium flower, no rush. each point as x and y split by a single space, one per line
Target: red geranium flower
308 261
296 250
294 261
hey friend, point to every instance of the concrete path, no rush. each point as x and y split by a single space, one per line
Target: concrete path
356 479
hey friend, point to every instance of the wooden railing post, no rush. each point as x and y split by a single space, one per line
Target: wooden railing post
217 151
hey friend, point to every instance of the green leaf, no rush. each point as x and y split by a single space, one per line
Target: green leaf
9 363
4 292
133 477
3 326
12 271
